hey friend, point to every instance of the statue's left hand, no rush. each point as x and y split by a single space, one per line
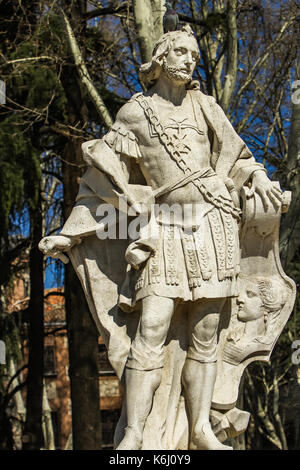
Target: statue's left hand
55 245
266 190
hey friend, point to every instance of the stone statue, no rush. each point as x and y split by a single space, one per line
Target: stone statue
259 302
186 304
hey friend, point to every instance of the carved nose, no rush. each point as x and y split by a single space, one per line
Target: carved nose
188 58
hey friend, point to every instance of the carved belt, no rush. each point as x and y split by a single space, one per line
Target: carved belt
169 187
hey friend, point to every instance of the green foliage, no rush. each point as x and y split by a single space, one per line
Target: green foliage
20 168
41 99
51 35
37 87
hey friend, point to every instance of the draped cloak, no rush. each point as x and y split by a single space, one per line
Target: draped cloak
101 265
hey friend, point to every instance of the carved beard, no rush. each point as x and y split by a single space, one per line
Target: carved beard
176 73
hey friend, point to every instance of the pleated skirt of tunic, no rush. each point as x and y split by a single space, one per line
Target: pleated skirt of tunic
196 262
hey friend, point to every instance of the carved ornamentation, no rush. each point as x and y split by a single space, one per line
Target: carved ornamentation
171 308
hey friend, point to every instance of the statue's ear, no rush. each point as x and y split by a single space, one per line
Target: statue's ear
159 60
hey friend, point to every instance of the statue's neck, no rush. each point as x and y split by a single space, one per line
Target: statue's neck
255 328
169 90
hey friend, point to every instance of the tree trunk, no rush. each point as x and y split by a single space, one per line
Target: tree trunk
290 228
85 76
232 56
83 367
33 435
148 20
82 333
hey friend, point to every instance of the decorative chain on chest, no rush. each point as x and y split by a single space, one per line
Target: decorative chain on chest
177 153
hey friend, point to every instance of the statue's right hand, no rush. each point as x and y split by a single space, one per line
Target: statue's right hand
54 246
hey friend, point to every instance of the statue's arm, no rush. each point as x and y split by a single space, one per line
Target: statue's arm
246 170
122 137
110 162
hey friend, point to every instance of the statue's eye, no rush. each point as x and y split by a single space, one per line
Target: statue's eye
251 294
180 51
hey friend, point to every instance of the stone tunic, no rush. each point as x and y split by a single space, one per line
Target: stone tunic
204 260
196 256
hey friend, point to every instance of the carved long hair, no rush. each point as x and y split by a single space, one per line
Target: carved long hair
150 72
273 297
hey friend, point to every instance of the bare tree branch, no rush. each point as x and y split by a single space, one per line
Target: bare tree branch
84 74
104 11
290 230
231 69
148 19
28 59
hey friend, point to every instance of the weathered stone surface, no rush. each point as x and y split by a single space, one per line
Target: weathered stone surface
229 424
186 302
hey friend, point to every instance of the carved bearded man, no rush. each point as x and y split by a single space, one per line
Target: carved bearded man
189 155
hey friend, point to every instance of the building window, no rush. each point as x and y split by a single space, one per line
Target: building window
49 361
105 367
109 420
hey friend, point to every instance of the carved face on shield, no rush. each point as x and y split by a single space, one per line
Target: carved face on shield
259 298
250 305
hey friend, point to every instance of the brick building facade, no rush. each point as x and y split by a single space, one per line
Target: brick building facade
56 364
